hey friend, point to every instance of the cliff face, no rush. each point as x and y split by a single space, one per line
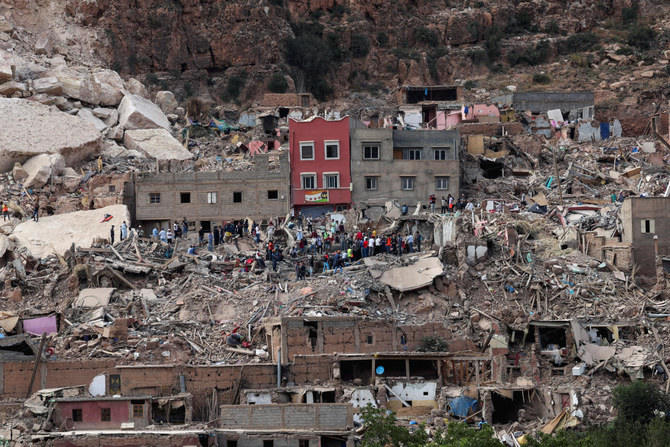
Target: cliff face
368 44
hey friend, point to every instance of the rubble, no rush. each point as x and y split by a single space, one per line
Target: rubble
155 143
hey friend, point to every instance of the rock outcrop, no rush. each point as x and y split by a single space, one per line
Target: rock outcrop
29 128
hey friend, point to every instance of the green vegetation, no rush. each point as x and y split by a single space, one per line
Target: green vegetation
427 36
521 23
382 39
432 57
552 28
235 85
536 55
278 83
152 79
641 37
541 78
359 45
577 43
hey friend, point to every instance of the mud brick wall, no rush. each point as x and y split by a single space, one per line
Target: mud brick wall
311 369
15 376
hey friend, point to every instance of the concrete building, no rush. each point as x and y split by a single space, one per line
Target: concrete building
208 198
642 218
569 103
320 171
406 165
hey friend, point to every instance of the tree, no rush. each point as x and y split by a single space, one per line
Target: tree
277 83
639 401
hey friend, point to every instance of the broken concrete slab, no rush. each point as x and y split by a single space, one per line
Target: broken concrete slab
415 276
92 298
592 353
76 85
40 169
57 233
30 129
156 143
136 112
87 115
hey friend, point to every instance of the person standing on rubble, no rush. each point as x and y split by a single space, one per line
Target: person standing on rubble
163 235
36 209
450 203
309 224
5 211
124 230
201 236
154 233
432 201
184 227
419 238
210 241
170 236
325 263
443 203
410 243
404 209
298 268
275 259
111 235
217 236
300 220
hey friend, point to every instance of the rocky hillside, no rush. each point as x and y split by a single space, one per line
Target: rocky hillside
232 51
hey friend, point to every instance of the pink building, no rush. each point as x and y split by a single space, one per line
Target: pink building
100 413
320 169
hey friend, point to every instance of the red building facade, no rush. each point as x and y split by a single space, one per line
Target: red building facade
320 165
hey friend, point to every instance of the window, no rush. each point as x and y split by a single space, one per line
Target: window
407 183
331 181
411 154
441 182
155 197
369 339
237 197
647 226
105 415
138 410
308 181
339 208
77 415
268 443
211 197
273 194
307 151
185 197
332 150
440 153
371 151
370 183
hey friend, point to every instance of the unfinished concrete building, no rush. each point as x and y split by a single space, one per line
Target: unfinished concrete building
404 165
208 198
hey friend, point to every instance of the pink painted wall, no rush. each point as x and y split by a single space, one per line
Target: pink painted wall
320 130
91 413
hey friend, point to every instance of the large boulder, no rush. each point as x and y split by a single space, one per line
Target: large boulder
41 167
81 86
135 87
111 87
57 233
166 101
156 143
109 116
29 128
136 112
87 115
49 85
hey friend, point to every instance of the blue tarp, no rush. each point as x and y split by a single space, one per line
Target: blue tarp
461 406
604 131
